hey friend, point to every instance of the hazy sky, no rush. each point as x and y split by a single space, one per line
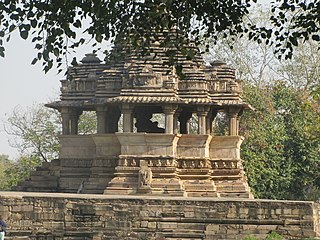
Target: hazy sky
21 84
24 84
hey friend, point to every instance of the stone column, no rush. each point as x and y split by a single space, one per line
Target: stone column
74 120
238 120
112 119
65 115
233 120
184 119
101 112
127 118
169 111
202 114
70 119
209 120
175 121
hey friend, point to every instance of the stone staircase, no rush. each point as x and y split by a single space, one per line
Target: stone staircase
44 179
101 173
89 176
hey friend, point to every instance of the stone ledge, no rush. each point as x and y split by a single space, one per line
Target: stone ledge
141 197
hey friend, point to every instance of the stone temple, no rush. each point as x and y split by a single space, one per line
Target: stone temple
154 169
136 155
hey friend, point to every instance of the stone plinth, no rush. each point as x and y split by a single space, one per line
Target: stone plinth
159 152
225 147
70 146
82 216
194 146
181 165
148 144
106 145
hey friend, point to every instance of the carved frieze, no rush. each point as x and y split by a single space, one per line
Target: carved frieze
193 85
133 162
224 164
193 164
145 77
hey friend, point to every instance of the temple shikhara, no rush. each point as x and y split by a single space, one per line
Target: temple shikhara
144 144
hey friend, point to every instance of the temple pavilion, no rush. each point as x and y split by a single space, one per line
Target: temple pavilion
144 144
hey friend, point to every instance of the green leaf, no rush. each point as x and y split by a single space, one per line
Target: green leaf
24 34
316 38
12 27
98 37
2 52
293 40
34 61
33 23
56 52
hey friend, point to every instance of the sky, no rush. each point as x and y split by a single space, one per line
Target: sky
23 84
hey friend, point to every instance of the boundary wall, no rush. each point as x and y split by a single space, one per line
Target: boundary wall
83 216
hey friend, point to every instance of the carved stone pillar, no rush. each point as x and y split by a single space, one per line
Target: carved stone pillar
127 118
70 119
112 119
65 121
169 111
101 112
175 121
209 120
233 120
184 119
202 114
74 120
238 120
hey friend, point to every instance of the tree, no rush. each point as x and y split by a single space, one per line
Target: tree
56 26
303 70
4 165
17 171
282 146
36 130
254 62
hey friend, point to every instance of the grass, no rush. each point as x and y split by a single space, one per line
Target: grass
275 236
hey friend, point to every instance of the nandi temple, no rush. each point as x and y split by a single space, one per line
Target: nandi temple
136 155
154 169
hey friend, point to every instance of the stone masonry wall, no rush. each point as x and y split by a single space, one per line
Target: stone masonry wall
81 216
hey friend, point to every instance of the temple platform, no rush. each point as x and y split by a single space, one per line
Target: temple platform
85 216
186 165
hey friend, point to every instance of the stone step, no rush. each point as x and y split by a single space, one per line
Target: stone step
165 192
92 186
40 173
235 195
41 178
203 194
39 184
34 189
93 191
233 188
198 177
55 162
227 178
101 177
